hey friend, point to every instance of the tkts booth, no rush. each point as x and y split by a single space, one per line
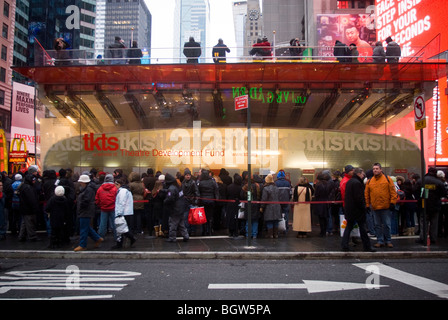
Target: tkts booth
306 116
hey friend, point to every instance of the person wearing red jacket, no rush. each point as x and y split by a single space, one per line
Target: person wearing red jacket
349 169
105 200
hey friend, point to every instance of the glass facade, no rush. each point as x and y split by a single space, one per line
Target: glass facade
304 117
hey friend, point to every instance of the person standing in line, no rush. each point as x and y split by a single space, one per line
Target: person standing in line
105 200
3 223
381 197
124 208
116 51
192 50
138 190
355 210
191 194
58 209
284 189
175 204
272 212
86 212
433 206
219 52
301 221
29 207
209 192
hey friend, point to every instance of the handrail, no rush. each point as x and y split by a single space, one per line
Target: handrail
159 56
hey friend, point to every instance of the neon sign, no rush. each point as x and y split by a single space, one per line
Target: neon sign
270 96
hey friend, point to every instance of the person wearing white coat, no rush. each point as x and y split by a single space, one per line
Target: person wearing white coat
124 207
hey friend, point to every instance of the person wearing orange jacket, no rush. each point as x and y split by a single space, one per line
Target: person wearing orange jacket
381 196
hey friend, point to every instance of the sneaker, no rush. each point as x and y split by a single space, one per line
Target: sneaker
98 242
79 248
378 245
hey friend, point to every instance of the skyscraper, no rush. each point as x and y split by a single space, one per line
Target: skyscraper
129 20
72 20
194 17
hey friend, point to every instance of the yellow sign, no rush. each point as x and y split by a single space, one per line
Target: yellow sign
18 142
3 151
420 124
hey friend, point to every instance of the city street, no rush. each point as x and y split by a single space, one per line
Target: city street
198 282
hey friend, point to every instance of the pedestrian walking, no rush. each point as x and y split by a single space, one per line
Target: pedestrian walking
86 212
355 210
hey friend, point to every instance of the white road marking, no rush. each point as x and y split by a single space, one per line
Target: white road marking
437 288
311 285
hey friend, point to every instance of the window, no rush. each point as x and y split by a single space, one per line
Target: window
2 74
2 97
343 5
6 9
4 53
5 31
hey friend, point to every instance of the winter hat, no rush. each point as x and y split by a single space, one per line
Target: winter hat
187 171
33 169
59 191
440 174
281 174
18 177
162 177
109 178
84 178
269 178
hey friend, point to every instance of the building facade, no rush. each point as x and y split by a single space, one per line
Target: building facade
129 20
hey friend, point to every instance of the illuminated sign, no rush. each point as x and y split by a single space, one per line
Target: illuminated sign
17 154
269 96
3 151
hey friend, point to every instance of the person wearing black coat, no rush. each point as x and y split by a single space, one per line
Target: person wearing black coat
192 50
58 209
340 51
29 206
355 210
208 190
323 192
233 193
134 54
175 204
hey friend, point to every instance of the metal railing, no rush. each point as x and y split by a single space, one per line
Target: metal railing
168 56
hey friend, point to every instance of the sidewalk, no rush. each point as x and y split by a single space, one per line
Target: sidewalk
221 246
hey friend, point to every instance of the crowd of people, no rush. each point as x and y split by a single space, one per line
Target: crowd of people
158 205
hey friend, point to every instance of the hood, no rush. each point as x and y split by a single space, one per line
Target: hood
108 186
134 177
169 179
205 175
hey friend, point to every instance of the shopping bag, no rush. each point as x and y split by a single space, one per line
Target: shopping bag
282 223
241 211
120 225
343 224
197 216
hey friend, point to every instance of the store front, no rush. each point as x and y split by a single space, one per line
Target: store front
305 117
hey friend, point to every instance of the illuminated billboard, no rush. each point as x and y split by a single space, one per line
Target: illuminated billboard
420 28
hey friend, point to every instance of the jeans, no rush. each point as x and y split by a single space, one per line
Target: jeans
254 228
383 220
107 217
85 230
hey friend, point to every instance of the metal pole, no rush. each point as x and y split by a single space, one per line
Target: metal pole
249 184
423 227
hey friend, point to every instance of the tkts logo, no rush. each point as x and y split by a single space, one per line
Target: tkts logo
101 143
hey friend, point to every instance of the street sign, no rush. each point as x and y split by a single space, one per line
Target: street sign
419 113
241 102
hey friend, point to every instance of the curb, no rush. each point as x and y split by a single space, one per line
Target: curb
219 255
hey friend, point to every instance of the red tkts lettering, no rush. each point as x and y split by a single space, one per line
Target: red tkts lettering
101 143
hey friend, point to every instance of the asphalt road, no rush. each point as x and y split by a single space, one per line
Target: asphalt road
188 283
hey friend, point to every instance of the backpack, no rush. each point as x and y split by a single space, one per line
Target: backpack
16 195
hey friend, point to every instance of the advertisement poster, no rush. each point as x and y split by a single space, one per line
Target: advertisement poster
347 28
23 115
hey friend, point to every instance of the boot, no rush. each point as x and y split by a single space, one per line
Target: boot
275 232
412 231
269 233
161 233
407 232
